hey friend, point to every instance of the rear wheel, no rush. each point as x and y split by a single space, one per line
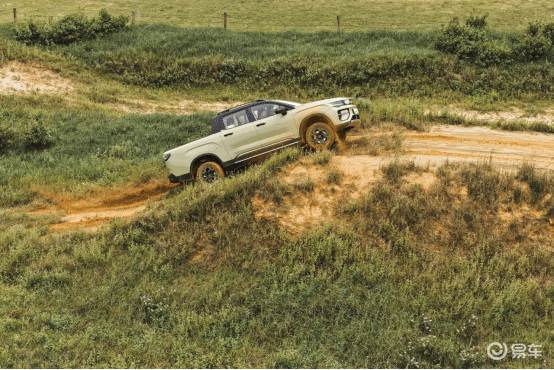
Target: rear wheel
320 136
209 172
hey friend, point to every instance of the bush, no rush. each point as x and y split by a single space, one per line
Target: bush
477 22
71 28
536 42
37 136
470 42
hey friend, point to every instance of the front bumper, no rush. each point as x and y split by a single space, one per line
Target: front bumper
354 121
180 179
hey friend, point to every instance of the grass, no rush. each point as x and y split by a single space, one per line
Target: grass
416 277
388 292
88 149
290 14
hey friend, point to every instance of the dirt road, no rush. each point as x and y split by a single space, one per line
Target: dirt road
508 150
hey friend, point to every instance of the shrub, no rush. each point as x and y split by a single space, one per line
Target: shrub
37 136
470 42
71 28
535 44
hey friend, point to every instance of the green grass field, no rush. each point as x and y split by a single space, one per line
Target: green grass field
417 278
304 16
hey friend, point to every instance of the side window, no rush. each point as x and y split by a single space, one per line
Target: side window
262 111
236 119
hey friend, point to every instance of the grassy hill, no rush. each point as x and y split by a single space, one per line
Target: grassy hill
410 276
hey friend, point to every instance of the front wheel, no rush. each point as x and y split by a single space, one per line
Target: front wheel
209 172
320 136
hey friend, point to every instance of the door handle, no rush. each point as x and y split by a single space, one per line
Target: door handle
230 133
260 124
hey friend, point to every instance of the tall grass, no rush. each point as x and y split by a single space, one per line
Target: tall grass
199 281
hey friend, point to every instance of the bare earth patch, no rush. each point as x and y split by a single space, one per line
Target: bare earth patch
507 150
19 78
300 210
101 206
513 115
177 107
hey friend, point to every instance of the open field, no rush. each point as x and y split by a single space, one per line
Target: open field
417 242
264 15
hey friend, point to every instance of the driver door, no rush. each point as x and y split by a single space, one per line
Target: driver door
273 128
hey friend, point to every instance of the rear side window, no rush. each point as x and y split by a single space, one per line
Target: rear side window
236 119
262 111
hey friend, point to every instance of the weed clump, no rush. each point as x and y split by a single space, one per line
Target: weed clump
539 183
323 157
334 176
394 170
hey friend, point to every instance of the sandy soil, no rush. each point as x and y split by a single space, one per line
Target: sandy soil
19 78
299 210
514 114
184 106
101 206
508 150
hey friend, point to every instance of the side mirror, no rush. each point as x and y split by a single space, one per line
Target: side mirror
281 110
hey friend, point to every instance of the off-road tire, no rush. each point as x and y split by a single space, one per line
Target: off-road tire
320 136
209 172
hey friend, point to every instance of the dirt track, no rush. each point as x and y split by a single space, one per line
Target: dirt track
102 206
508 150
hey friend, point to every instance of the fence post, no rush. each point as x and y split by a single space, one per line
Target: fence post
224 20
132 17
14 14
338 22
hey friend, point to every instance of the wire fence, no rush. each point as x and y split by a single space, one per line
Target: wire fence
305 22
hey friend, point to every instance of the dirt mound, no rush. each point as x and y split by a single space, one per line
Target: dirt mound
312 191
19 78
102 205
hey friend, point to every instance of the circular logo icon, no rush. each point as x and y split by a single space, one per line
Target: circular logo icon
498 354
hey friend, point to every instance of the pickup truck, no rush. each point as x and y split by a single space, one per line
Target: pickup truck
254 130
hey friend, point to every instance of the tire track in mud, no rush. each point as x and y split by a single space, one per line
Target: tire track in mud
101 206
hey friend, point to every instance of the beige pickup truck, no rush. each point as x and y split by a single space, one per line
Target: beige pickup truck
251 131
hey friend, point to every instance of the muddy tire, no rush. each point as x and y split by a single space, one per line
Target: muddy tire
320 136
209 172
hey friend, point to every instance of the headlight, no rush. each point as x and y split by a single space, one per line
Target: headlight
340 103
166 156
344 114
